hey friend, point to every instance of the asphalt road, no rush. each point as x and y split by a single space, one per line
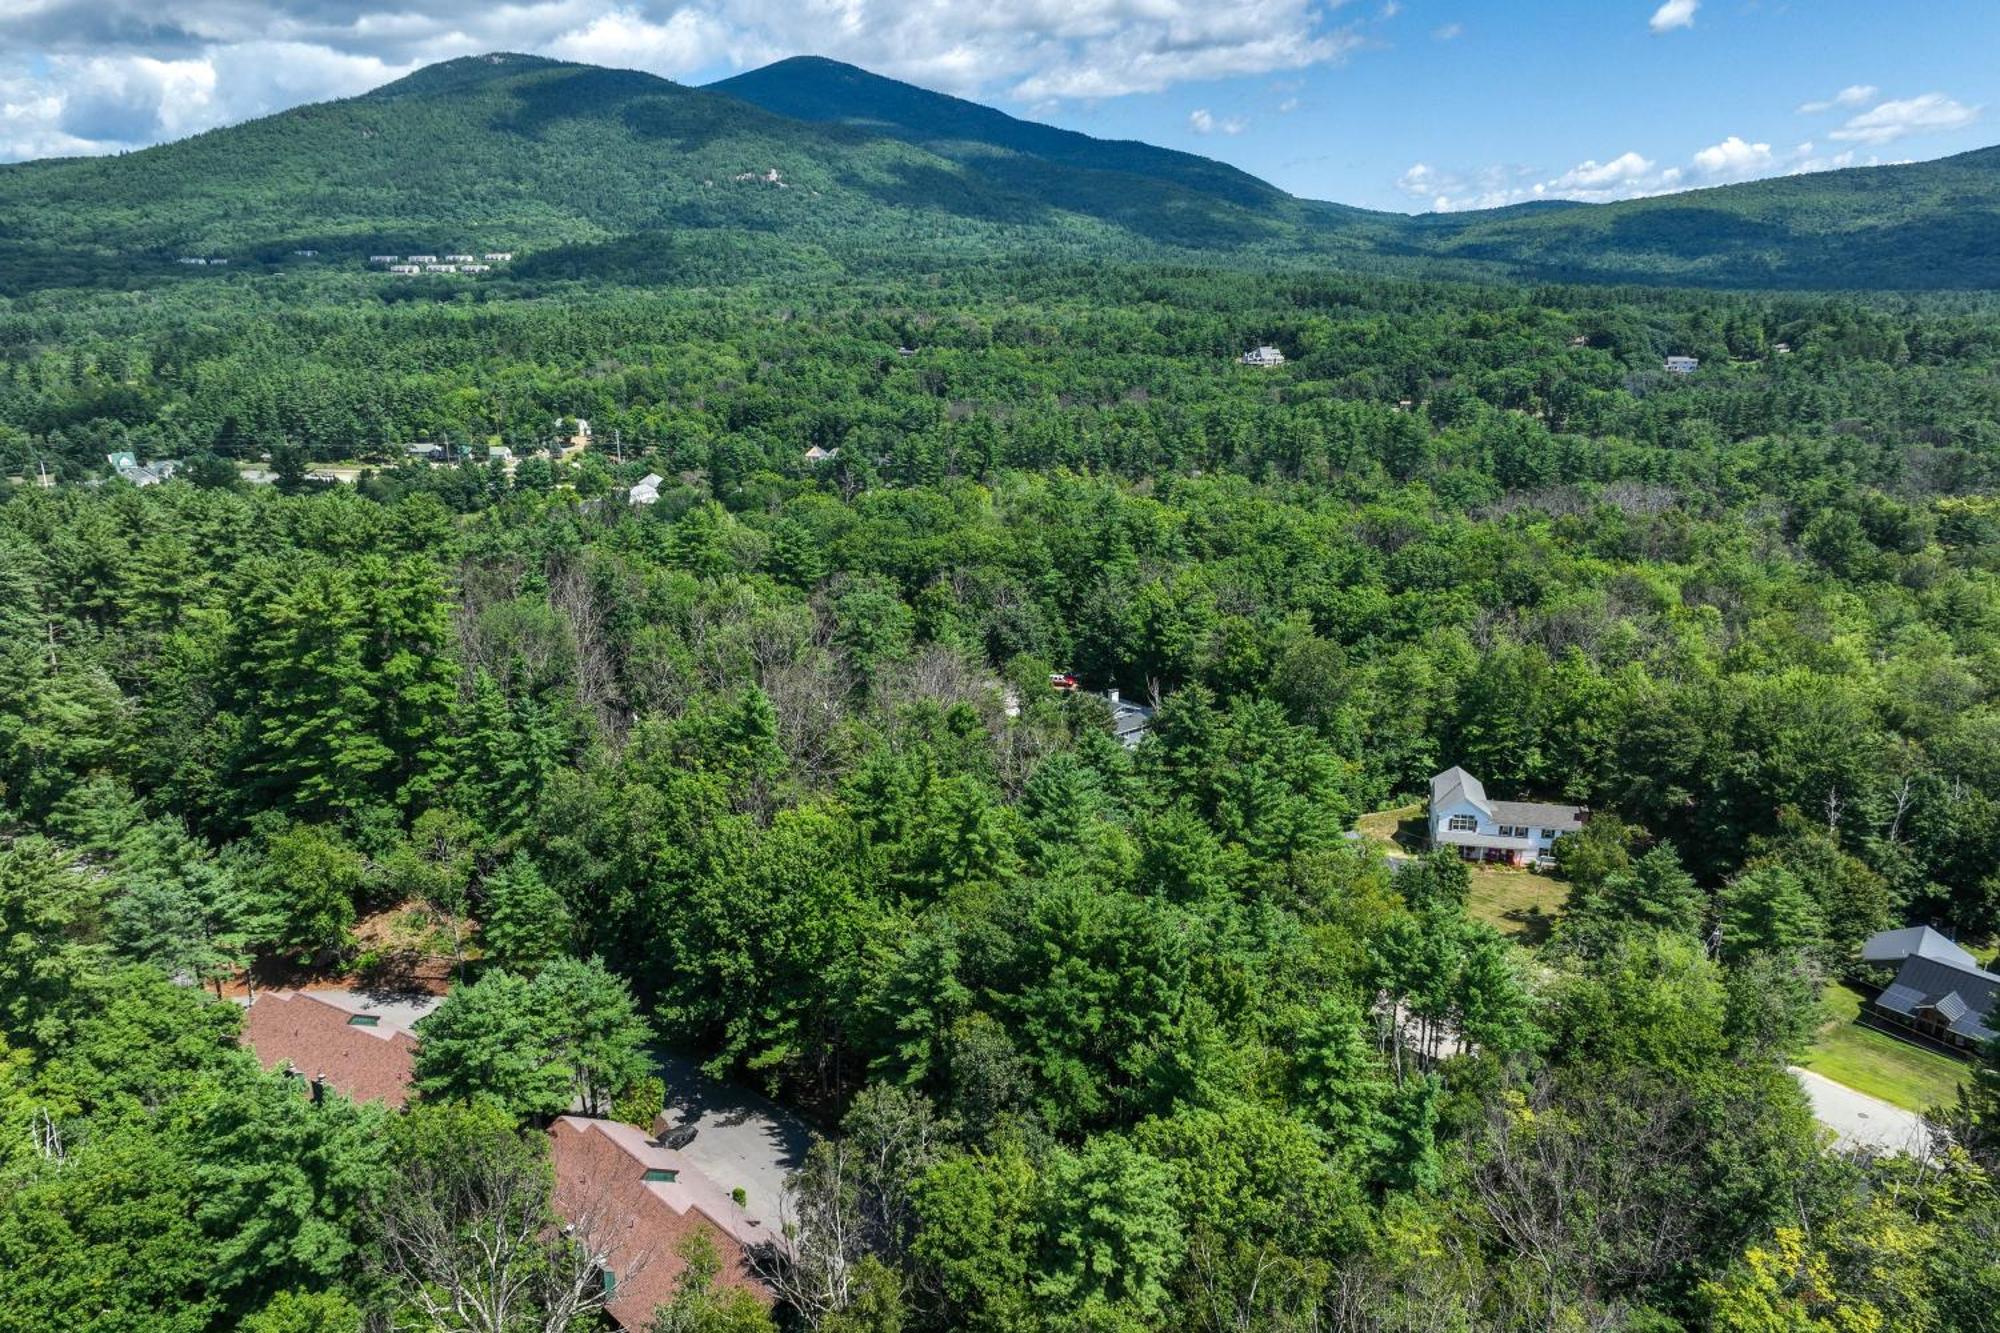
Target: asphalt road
1859 1120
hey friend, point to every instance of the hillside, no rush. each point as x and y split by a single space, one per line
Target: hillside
810 166
1920 225
520 153
811 88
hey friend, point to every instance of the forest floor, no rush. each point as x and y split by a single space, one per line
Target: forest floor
1876 1063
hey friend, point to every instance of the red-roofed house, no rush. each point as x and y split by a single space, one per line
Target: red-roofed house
644 1200
352 1052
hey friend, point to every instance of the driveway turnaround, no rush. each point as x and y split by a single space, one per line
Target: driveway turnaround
741 1141
1860 1121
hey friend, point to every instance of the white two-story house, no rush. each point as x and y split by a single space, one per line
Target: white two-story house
1511 832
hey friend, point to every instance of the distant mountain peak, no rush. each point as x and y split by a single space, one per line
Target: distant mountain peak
463 71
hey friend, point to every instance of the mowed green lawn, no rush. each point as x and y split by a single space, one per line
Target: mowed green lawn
1875 1062
1518 903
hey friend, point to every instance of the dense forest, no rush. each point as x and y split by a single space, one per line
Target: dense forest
770 771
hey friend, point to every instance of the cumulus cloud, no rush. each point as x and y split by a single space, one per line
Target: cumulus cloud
1931 113
1852 95
1734 157
1675 14
1629 175
1202 121
97 75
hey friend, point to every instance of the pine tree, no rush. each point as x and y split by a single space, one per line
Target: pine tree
525 924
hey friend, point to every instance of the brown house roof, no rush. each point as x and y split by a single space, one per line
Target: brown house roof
601 1173
322 1040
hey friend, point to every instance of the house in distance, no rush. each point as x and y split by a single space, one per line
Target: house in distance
1932 988
1262 356
1508 832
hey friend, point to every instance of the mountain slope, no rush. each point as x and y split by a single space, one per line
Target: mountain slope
1927 225
591 172
812 88
521 153
1919 225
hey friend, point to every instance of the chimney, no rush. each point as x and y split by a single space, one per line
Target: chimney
1111 695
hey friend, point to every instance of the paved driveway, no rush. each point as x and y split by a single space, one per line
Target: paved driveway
1860 1121
741 1140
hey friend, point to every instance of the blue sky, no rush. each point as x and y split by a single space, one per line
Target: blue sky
1496 98
1405 104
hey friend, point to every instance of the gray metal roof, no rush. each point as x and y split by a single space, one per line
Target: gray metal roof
1454 783
1964 997
1901 999
1563 818
1893 946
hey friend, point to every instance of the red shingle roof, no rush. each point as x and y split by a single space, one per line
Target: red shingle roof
601 1169
318 1040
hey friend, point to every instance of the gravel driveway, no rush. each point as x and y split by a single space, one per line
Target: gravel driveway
1861 1121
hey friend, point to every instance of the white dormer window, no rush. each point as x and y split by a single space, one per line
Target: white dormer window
1463 824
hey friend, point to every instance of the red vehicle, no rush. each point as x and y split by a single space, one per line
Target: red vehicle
1062 680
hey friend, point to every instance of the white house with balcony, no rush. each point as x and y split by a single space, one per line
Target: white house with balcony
1683 365
1482 829
1262 356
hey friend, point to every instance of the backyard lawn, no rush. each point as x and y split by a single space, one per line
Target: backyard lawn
1518 903
1875 1062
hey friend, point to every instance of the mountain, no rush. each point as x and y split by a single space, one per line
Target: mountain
812 88
618 171
811 166
1911 226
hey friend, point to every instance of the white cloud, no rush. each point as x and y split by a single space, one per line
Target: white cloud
1627 176
1852 95
1448 32
1734 157
1931 113
1675 14
1202 121
625 38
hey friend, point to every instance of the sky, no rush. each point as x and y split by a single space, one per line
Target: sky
1414 105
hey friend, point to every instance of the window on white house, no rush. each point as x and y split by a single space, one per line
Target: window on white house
1551 834
1462 824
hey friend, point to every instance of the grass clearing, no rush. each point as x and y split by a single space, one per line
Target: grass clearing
1520 904
1400 830
1876 1063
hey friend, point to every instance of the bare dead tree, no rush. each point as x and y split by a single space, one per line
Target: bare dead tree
811 1265
472 1245
573 598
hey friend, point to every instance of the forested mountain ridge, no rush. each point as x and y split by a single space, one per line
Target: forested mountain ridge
619 175
1912 225
812 88
526 154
